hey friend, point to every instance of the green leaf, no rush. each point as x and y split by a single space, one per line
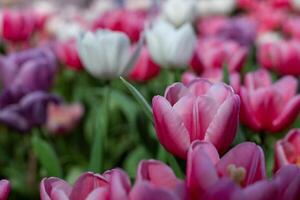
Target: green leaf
139 97
46 156
226 78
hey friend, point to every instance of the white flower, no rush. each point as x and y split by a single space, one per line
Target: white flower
215 7
179 12
295 4
106 54
171 47
138 4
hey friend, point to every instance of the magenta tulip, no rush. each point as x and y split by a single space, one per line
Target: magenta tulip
4 189
216 53
145 69
281 56
199 111
244 164
266 106
287 150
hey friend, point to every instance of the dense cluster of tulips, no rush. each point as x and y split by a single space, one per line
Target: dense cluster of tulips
141 99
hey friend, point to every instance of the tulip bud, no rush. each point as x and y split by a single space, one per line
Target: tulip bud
199 111
106 54
179 12
170 47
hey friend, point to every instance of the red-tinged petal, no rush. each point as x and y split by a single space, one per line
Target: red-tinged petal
280 156
98 194
169 127
4 189
247 113
247 155
199 86
174 92
85 184
287 87
188 77
146 191
158 173
119 185
220 92
238 59
196 114
262 190
288 115
258 79
49 184
201 172
235 81
223 127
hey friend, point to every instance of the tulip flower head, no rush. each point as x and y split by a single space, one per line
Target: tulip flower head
199 111
4 189
170 47
106 54
266 106
179 12
287 150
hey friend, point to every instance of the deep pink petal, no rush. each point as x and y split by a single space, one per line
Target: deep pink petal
222 129
169 127
262 190
4 189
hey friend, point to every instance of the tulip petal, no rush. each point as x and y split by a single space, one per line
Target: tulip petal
258 79
222 129
169 127
199 86
4 189
48 185
247 155
98 194
119 185
287 87
220 92
174 92
262 190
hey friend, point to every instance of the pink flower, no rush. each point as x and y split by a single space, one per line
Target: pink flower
287 150
215 53
214 75
199 111
128 21
144 69
4 189
266 106
244 164
17 25
292 27
280 56
63 118
68 54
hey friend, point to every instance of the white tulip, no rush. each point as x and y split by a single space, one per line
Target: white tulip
171 47
215 7
138 4
106 54
295 4
179 12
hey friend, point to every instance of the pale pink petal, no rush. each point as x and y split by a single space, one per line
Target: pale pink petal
258 79
4 189
119 185
49 184
220 92
169 127
174 92
199 86
98 194
287 87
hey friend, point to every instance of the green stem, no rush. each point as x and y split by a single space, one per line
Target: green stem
100 139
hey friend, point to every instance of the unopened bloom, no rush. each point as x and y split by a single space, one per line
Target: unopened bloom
106 54
266 106
4 189
216 53
281 56
171 47
62 118
17 25
179 12
144 68
68 54
243 164
287 150
199 111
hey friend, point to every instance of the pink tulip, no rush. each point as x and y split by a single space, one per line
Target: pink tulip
215 53
17 26
63 118
145 69
4 189
280 56
155 180
210 26
292 27
199 111
266 106
287 150
128 21
68 54
112 185
244 164
214 75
